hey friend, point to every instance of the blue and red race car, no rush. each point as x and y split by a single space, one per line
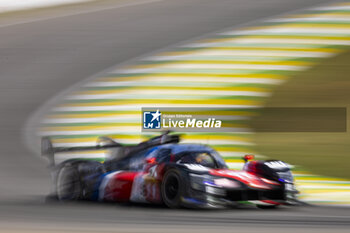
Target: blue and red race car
164 171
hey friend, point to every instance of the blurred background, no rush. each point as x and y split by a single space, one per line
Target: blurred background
85 68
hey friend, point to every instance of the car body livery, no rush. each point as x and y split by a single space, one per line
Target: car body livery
164 171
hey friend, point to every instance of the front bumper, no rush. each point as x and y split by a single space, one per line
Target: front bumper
214 197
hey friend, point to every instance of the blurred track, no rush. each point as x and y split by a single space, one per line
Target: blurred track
92 217
55 48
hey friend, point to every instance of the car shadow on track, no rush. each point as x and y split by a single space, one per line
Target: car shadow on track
51 200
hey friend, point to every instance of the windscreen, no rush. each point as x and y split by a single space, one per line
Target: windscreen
205 159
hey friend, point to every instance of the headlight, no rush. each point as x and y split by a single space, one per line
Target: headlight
226 183
212 185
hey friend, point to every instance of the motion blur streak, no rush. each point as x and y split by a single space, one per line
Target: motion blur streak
10 5
42 57
232 69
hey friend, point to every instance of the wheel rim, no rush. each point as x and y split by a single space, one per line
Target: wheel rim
171 187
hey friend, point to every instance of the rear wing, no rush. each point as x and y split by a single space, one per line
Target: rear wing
48 150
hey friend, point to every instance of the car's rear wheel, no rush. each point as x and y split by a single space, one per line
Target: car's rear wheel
69 187
171 189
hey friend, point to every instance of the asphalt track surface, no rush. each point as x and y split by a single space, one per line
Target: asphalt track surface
43 52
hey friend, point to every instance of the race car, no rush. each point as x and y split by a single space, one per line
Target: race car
164 171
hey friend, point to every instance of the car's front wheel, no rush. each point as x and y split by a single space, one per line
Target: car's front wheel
69 187
172 188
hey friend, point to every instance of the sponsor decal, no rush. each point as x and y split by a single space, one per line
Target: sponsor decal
192 123
175 119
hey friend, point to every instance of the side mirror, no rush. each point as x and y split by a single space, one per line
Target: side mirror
247 158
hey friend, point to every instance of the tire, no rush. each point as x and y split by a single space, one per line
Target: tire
172 189
68 186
